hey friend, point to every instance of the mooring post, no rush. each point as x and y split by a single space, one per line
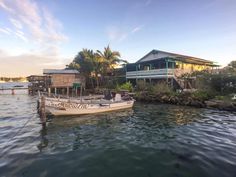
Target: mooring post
43 111
12 92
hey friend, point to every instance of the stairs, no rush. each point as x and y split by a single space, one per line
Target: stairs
183 83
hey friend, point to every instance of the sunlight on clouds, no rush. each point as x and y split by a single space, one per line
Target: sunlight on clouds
36 25
28 63
43 27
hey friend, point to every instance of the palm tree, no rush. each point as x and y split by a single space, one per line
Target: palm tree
110 59
96 64
89 64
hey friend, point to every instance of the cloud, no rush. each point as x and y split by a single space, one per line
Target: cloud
3 53
21 35
16 23
118 34
33 23
42 26
136 29
3 5
28 63
5 31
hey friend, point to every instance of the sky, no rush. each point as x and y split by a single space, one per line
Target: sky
40 34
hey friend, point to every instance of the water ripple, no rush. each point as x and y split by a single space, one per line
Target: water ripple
150 140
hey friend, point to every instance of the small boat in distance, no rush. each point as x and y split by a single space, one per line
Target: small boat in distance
17 86
84 105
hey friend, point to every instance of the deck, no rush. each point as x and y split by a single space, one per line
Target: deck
155 73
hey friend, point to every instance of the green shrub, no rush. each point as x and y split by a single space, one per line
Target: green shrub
126 86
162 87
220 97
203 95
141 85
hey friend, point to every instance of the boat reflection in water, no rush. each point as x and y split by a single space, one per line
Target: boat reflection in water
53 132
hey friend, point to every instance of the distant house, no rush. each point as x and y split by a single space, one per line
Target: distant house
63 80
160 65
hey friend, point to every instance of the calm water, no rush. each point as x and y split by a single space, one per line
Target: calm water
150 141
10 85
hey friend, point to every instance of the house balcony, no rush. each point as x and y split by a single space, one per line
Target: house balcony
154 73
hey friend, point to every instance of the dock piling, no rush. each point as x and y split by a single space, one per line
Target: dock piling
12 91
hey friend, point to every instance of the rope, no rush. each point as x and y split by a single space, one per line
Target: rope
21 128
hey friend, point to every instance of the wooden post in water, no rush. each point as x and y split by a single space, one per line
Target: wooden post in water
43 112
12 92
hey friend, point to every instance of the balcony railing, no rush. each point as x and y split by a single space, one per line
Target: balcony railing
155 73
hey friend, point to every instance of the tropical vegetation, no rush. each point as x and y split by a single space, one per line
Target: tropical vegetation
98 66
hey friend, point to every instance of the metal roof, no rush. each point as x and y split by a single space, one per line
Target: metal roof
60 71
179 57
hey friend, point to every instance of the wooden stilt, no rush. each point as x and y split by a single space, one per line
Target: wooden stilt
67 93
49 91
80 93
12 92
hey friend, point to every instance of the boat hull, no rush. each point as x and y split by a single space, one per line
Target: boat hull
63 108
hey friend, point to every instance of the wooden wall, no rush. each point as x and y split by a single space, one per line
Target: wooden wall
64 80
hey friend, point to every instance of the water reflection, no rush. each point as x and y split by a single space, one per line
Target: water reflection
90 119
152 140
70 132
44 141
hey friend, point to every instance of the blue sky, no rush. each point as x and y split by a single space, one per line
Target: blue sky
37 34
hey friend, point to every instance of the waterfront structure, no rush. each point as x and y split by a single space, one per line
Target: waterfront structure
165 66
38 83
63 80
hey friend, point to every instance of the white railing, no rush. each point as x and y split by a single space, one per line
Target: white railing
155 73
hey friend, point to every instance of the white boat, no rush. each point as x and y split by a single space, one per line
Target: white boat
62 106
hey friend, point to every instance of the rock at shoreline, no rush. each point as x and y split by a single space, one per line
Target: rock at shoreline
186 99
222 105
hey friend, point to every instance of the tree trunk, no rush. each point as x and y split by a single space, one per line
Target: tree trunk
91 82
96 75
97 81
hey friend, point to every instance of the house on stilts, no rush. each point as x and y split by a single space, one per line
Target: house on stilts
158 66
64 81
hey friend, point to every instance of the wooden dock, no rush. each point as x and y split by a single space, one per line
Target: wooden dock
15 88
